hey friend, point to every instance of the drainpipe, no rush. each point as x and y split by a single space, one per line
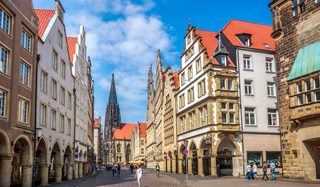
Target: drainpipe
240 113
35 124
74 128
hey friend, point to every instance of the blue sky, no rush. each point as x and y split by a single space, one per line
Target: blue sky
123 38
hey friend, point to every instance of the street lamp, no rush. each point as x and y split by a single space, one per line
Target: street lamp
39 133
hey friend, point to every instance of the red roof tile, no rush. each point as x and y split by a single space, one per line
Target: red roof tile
72 41
44 17
143 129
175 76
260 34
125 132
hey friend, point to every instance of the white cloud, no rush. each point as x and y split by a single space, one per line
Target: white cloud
125 46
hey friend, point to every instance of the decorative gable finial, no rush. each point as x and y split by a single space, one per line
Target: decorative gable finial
189 19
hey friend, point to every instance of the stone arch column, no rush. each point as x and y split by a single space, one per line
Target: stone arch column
5 160
42 153
68 155
56 156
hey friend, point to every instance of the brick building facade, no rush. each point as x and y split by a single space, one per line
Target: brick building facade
296 32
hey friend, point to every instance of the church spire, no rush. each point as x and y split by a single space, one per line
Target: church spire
113 94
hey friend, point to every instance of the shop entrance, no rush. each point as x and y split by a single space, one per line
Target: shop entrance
206 163
313 148
225 153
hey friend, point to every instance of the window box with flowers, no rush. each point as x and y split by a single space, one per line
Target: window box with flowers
40 150
18 149
67 154
54 152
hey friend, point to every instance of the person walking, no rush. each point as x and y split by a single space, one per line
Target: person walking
114 166
272 168
131 167
218 168
255 170
94 170
118 168
248 171
158 169
138 175
265 168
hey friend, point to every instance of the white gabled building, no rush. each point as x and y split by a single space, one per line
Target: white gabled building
78 58
54 98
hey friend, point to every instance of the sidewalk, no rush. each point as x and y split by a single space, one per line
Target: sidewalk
69 183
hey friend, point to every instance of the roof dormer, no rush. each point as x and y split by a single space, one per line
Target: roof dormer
221 54
59 10
245 38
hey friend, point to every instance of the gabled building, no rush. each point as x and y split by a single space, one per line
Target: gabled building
252 49
78 59
207 107
18 63
297 42
54 98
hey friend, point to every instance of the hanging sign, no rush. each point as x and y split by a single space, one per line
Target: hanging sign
185 151
186 143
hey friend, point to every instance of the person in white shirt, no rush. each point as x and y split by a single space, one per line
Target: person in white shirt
255 170
114 166
272 168
138 174
248 171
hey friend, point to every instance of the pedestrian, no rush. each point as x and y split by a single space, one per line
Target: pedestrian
255 170
118 168
138 174
94 170
248 171
272 168
265 168
158 169
131 167
218 168
114 168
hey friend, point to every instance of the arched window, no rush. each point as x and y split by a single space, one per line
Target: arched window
118 148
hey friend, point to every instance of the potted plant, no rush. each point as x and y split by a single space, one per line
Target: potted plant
40 150
54 152
225 149
175 153
67 154
193 150
205 149
18 149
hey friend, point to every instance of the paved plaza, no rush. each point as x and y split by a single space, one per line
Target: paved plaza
126 179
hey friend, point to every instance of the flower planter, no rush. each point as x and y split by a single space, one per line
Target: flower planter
18 151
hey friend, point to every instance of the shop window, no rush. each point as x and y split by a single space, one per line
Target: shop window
275 157
255 157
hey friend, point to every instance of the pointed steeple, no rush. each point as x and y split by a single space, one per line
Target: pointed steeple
113 94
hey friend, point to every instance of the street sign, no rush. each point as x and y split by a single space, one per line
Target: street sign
185 151
186 143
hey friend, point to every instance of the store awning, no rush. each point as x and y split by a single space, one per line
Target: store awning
307 61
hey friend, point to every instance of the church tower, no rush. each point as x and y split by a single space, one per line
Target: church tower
113 117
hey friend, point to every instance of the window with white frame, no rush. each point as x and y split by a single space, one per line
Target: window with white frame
299 87
190 117
308 98
59 39
63 69
246 62
249 116
62 95
43 112
5 21
269 65
23 110
222 84
54 60
317 96
182 79
69 126
194 119
298 6
198 64
223 60
201 116
203 87
206 113
300 100
190 72
272 117
81 111
53 119
4 57
61 123
142 151
81 134
247 41
69 100
44 82
231 106
248 87
271 89
54 89
223 106
181 119
25 74
26 41
307 88
142 142
316 83
3 103
231 117
85 136
77 132
230 84
224 117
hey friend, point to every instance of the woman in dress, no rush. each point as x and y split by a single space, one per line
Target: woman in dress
138 174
